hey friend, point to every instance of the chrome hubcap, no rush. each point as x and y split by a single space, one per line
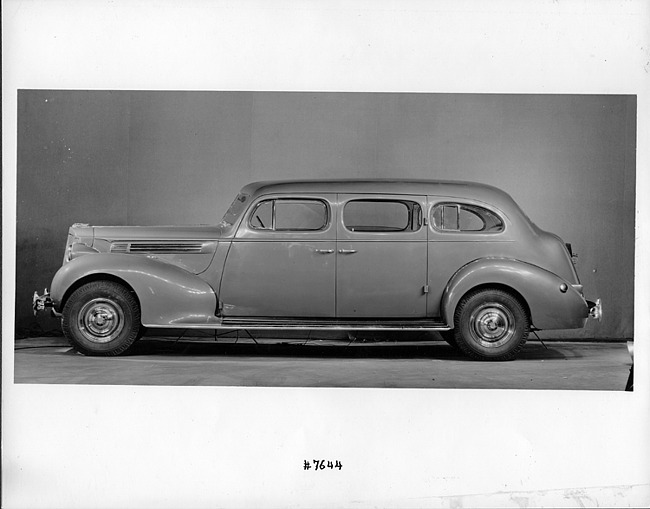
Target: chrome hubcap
101 320
492 325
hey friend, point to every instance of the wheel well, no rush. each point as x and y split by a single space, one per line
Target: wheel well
498 286
96 277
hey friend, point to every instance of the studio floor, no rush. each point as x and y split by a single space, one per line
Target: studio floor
402 362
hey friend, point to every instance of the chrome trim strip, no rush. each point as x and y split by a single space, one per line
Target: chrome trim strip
334 327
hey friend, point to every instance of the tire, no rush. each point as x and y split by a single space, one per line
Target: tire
101 318
491 325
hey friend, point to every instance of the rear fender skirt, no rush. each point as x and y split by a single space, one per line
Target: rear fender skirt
168 294
552 301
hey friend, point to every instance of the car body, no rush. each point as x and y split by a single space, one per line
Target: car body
459 258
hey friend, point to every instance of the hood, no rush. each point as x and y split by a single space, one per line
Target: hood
128 233
190 247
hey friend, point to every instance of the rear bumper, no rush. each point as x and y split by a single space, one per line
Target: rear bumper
595 309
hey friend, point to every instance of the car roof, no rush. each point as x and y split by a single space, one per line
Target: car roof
421 187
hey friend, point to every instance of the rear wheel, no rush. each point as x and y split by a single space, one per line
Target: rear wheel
101 318
491 324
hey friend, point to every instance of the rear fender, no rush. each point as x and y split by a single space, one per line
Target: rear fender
549 306
168 294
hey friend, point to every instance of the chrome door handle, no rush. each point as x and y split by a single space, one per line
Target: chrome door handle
324 251
347 251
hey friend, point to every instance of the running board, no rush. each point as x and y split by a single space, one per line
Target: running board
288 324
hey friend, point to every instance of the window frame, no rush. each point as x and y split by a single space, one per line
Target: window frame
274 200
405 202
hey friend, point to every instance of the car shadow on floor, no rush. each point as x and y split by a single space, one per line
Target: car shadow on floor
360 349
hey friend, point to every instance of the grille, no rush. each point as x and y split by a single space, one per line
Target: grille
157 247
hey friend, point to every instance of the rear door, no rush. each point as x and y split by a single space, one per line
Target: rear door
282 261
381 259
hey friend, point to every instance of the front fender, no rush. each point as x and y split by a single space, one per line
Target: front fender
168 295
550 308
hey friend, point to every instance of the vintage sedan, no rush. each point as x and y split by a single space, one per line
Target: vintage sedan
458 258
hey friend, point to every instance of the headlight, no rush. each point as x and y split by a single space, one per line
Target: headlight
67 255
77 249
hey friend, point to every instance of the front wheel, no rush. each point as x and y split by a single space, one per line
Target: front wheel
101 318
491 325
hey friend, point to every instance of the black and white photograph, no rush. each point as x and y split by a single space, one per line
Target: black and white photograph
369 234
311 254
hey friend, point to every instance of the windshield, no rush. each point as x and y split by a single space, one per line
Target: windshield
235 209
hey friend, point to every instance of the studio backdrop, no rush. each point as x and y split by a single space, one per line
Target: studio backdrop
159 157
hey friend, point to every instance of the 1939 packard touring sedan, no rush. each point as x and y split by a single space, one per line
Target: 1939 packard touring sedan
455 257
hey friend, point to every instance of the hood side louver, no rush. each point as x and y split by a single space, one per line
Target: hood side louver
158 247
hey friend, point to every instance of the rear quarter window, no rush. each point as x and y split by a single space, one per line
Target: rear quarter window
459 217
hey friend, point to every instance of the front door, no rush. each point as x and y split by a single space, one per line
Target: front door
282 261
381 259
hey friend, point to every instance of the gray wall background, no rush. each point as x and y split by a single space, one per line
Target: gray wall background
125 157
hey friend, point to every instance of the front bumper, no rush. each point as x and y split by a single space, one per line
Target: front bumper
43 302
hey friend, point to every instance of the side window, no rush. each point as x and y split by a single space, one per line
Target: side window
455 217
300 215
382 216
289 215
262 218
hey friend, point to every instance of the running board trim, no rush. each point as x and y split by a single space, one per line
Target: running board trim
270 324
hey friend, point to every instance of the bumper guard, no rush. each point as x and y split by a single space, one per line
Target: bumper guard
41 302
595 310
